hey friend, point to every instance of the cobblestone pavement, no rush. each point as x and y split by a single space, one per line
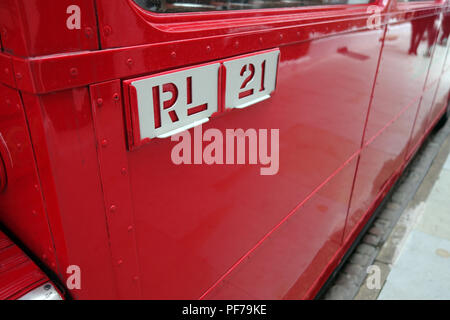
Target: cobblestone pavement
384 239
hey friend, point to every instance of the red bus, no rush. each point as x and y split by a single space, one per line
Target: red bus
199 149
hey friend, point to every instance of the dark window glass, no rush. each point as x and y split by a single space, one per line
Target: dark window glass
168 6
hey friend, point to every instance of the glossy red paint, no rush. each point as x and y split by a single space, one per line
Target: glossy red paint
22 181
18 274
113 165
68 166
393 106
39 27
352 105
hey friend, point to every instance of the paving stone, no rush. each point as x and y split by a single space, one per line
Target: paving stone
353 269
372 239
386 227
417 172
361 259
376 231
390 214
415 177
366 249
402 196
345 279
392 206
382 224
389 248
339 292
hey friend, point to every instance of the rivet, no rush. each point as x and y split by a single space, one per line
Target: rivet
136 278
73 71
107 30
34 212
8 102
119 262
6 71
88 32
19 147
208 48
281 36
18 75
298 33
116 96
44 256
130 228
53 265
260 40
130 61
112 208
123 171
99 102
104 143
236 44
173 54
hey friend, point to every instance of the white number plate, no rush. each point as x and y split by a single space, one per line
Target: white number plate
164 104
176 101
250 79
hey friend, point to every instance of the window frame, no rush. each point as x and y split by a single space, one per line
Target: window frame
302 12
261 10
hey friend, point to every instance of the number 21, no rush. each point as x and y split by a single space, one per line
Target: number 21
249 78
